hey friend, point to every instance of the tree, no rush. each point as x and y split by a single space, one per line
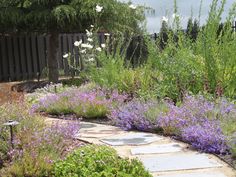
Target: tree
192 29
163 35
195 30
189 26
56 16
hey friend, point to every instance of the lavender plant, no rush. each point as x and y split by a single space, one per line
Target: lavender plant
36 145
206 125
89 104
136 115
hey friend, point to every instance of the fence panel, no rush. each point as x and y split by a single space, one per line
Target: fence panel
5 64
11 64
16 57
24 57
34 56
41 53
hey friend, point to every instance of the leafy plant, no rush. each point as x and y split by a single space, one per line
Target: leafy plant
98 161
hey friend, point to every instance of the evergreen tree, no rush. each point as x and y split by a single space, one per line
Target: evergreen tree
195 30
163 35
56 16
189 27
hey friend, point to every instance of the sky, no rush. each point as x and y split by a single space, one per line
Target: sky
165 8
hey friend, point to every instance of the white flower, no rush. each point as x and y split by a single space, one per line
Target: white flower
87 46
83 51
99 8
175 15
106 34
99 49
88 33
77 43
66 55
132 6
92 26
103 45
91 59
90 39
165 19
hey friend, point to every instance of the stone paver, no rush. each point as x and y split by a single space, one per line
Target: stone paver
132 139
90 130
162 156
201 174
178 162
156 149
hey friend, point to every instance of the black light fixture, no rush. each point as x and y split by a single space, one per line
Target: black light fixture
11 124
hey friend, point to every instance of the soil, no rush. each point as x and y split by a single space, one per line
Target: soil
8 94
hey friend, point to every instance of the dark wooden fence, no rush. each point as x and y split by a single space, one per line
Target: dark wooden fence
24 57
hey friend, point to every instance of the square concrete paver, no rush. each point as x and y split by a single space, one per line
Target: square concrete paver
132 139
156 149
178 162
201 174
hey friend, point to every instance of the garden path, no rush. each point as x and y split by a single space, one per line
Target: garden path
162 156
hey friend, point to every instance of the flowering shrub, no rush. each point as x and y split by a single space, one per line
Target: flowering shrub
199 122
88 51
136 114
90 104
207 137
206 125
36 145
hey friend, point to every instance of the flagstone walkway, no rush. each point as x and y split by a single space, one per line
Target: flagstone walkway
162 156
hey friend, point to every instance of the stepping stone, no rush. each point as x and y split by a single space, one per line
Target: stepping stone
156 149
86 125
178 162
132 139
90 130
201 174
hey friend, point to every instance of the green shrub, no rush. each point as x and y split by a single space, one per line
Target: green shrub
115 74
98 161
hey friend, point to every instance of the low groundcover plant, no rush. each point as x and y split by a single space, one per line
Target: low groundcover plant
93 103
200 122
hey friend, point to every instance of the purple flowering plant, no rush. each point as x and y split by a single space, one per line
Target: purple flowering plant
136 115
92 103
200 122
36 145
206 125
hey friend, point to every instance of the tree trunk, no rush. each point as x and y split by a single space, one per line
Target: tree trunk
53 72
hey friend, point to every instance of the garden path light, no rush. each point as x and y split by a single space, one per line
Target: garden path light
11 124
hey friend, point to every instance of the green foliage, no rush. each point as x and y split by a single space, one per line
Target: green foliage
11 112
201 61
68 15
36 145
98 161
115 74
